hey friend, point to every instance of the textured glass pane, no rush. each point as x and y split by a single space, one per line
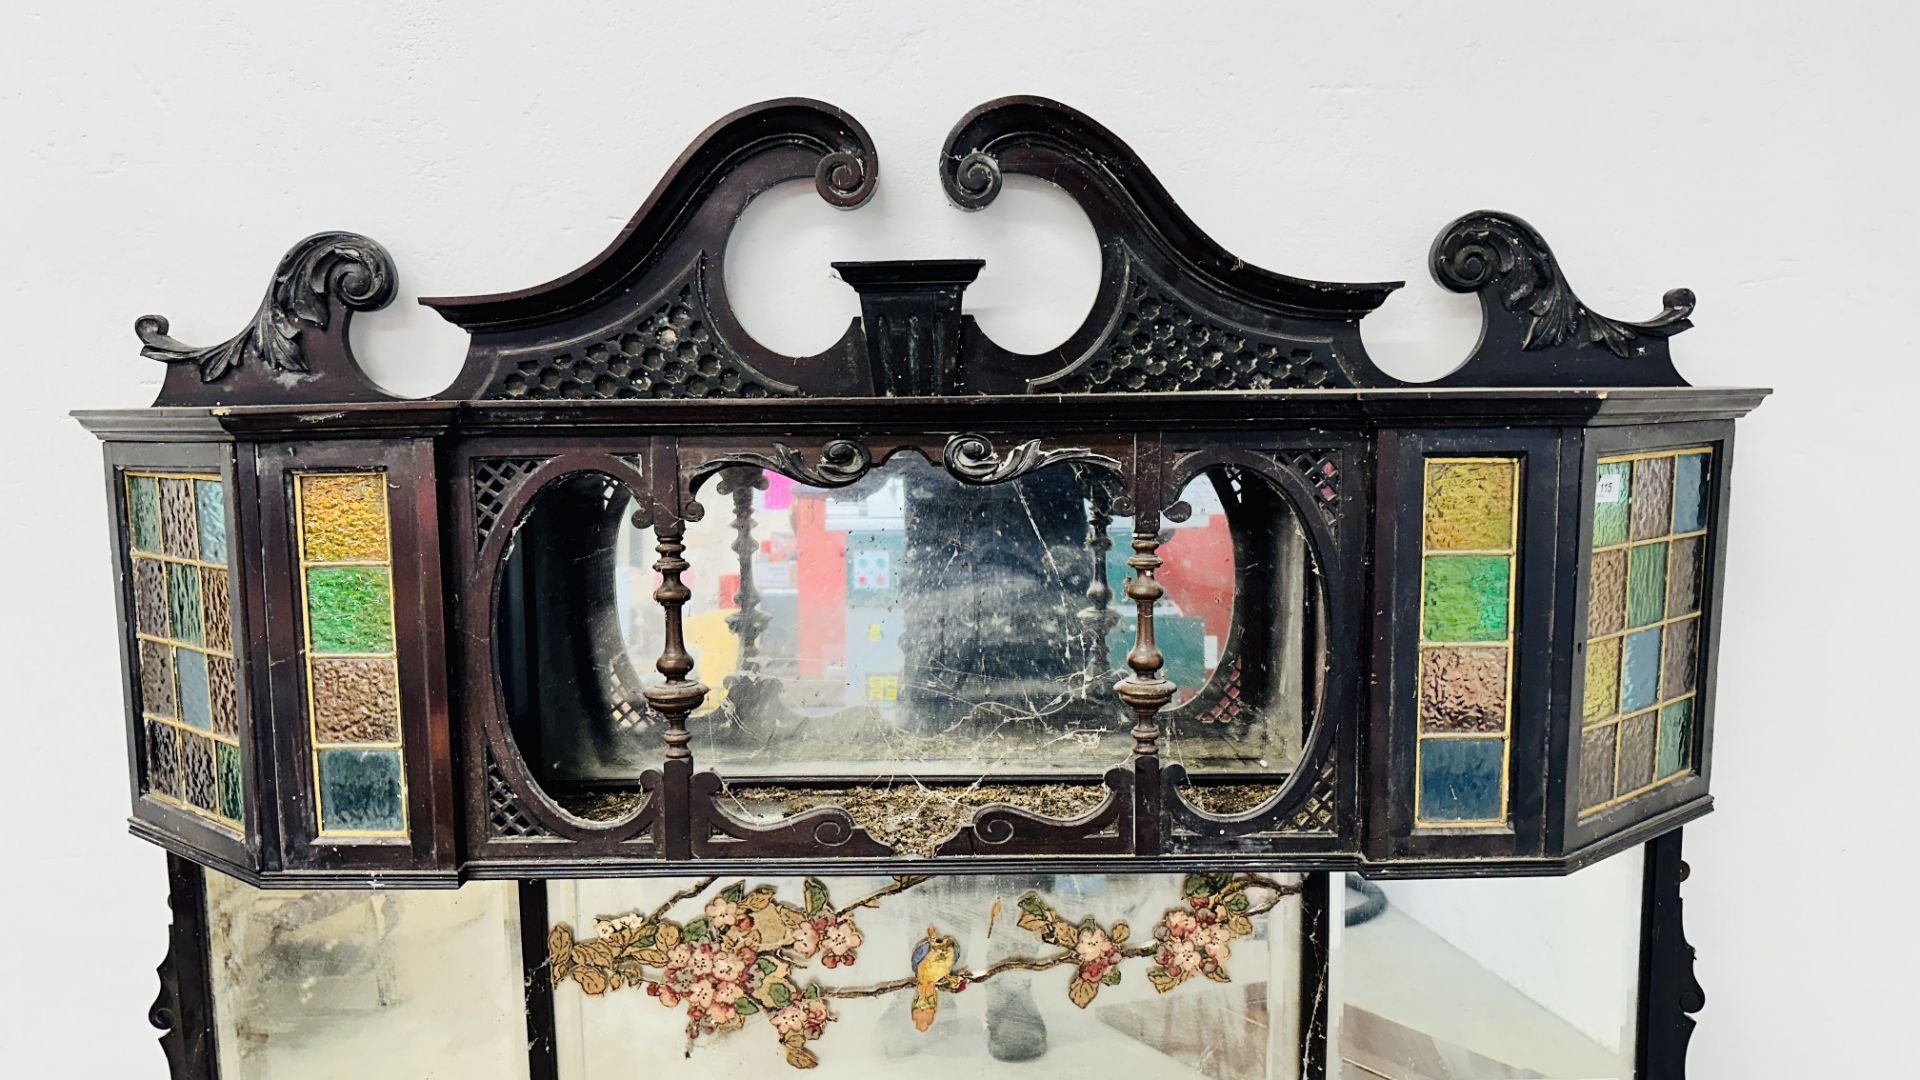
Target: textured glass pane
1647 585
1463 689
1640 671
350 609
1637 734
1611 499
1469 505
1466 598
1602 687
143 507
1484 979
1461 779
1682 658
344 517
183 601
1607 596
223 695
212 502
195 708
1596 765
355 701
360 791
216 599
198 785
163 759
1676 739
150 598
156 679
381 985
1683 588
1690 492
179 519
1652 497
1147 975
227 764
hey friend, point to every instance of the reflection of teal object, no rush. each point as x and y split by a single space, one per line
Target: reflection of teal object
875 561
1182 640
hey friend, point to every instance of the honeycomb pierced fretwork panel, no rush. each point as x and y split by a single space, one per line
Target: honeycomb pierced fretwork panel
506 817
1161 346
1322 473
493 482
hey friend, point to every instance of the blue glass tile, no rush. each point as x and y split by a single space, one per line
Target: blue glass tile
1690 493
360 791
196 702
213 521
1640 671
1460 779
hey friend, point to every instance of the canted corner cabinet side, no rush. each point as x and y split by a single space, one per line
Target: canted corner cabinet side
1201 591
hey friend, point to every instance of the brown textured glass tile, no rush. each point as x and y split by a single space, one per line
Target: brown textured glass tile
179 519
150 597
1683 576
1680 660
1607 597
216 600
344 516
355 701
1601 698
1637 736
163 759
1469 505
1596 766
1463 689
223 696
1652 498
156 679
198 785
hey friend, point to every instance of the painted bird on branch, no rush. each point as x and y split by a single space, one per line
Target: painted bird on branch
932 960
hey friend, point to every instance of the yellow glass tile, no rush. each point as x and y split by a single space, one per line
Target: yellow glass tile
1469 505
1603 680
344 516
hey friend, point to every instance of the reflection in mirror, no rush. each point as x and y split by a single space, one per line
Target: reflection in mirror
1487 978
1092 976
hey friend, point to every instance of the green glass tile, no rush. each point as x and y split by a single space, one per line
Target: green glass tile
349 609
1611 503
1596 765
1466 598
1460 779
360 791
1636 753
183 602
1640 671
196 709
143 506
227 765
1684 576
1652 497
1602 695
212 499
1647 585
1690 492
1676 739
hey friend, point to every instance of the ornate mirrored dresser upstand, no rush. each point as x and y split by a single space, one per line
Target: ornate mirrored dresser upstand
1178 622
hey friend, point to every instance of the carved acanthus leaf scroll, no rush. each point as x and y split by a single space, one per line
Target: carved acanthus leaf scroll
973 460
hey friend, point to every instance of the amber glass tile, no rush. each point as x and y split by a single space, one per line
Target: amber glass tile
1676 739
1602 695
227 773
183 601
349 609
1637 735
1647 585
190 676
217 602
163 759
355 701
1640 670
1681 661
1652 497
143 508
1611 500
156 679
198 785
1469 505
1684 574
212 502
1466 598
223 695
150 597
1607 597
1596 765
1690 492
344 516
1463 689
360 791
179 519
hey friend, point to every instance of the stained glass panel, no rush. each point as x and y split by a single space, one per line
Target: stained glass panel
360 791
350 609
1463 689
1462 779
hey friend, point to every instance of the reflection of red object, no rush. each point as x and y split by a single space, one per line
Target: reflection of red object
729 591
821 577
779 493
1198 574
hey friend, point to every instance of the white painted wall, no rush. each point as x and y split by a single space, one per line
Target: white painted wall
161 157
